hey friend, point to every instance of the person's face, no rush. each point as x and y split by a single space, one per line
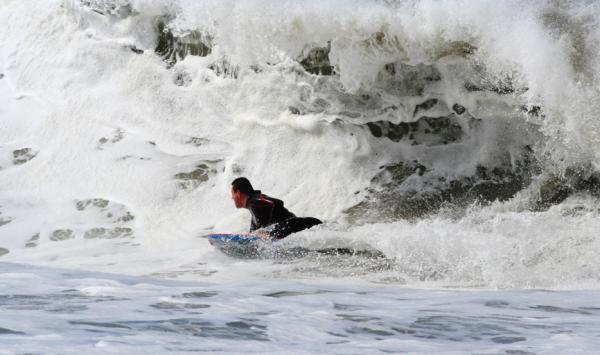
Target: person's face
239 199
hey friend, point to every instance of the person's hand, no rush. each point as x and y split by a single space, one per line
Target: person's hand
262 234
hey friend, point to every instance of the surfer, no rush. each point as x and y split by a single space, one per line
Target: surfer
269 217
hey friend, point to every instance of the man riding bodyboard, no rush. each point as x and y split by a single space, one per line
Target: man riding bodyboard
270 219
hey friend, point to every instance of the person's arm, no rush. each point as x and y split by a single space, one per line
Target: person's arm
262 212
258 231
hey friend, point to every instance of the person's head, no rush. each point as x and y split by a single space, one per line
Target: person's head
241 188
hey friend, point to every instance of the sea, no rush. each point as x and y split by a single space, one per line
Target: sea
451 148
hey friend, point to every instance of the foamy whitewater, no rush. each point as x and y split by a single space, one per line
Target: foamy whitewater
451 146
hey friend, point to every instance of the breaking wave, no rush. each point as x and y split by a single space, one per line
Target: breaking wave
428 130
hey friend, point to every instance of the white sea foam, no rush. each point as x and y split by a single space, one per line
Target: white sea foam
113 167
101 123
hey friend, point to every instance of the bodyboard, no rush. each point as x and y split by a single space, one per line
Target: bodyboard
237 245
248 246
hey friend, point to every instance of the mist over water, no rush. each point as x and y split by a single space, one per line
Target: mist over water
456 142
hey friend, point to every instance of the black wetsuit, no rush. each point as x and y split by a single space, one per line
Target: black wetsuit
269 212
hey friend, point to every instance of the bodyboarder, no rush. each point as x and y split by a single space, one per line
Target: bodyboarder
269 217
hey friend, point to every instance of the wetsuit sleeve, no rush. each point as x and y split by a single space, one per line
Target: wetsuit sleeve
262 212
253 225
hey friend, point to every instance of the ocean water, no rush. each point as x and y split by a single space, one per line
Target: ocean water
450 146
72 312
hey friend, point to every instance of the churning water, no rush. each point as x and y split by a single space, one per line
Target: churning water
452 145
